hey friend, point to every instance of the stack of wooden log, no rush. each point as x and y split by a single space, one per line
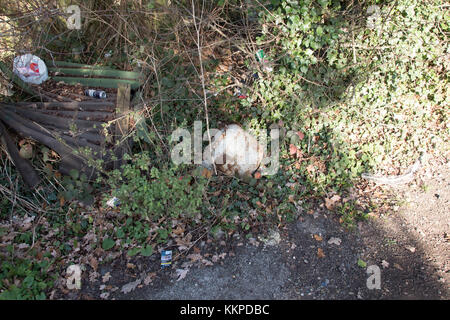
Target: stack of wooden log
77 130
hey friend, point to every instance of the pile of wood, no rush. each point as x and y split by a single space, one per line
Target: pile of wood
78 130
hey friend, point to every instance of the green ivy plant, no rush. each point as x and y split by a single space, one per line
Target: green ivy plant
151 193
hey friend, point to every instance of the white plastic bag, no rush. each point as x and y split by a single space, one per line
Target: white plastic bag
30 69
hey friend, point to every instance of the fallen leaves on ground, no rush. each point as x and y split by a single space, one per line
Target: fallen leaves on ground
300 134
292 149
194 257
127 288
216 257
320 253
149 278
181 273
330 203
93 276
104 295
94 263
207 173
334 240
106 277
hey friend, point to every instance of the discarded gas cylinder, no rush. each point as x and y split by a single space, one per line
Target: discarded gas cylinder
99 94
234 151
166 258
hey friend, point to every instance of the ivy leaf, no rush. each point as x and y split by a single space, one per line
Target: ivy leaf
147 251
362 263
74 174
108 243
133 252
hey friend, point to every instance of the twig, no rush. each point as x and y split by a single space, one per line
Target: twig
202 76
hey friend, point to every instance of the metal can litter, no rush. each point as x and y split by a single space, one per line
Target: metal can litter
166 258
99 94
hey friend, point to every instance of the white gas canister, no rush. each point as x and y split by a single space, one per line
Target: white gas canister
234 152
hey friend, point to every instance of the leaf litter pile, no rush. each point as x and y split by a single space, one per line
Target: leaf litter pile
73 92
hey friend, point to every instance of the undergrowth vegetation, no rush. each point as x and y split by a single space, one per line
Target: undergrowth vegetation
353 88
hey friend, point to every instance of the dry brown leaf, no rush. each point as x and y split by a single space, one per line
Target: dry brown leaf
292 149
149 278
397 266
318 237
410 248
195 257
206 173
334 240
94 263
206 262
106 277
310 168
127 288
331 202
320 253
178 231
104 295
181 273
93 276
